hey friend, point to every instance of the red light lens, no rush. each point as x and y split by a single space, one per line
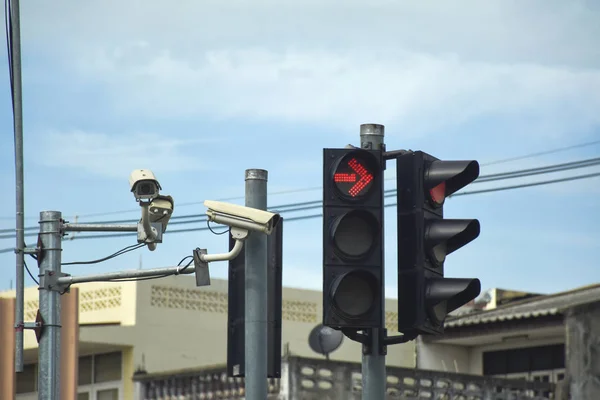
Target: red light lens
352 177
438 194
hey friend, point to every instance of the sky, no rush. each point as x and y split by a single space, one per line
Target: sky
198 92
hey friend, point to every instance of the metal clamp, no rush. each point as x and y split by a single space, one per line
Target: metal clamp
49 281
366 339
156 230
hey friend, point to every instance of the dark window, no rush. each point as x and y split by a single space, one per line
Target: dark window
27 380
527 359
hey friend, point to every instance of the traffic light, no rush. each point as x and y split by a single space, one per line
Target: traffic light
352 238
236 308
425 238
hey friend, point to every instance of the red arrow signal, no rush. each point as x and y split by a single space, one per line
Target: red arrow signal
340 177
365 177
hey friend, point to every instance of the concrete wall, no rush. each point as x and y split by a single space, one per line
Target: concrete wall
443 357
170 324
583 351
310 379
191 323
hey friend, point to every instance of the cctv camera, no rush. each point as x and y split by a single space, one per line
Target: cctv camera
236 216
144 185
160 210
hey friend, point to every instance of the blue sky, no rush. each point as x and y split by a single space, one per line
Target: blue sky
202 91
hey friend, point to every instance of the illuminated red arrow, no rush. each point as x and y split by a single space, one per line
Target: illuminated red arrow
344 177
365 177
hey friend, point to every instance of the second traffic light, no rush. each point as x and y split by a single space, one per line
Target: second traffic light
352 238
425 238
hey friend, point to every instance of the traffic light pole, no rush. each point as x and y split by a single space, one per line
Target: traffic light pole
256 292
373 359
49 343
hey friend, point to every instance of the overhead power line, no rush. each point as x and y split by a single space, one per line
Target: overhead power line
314 188
302 206
542 153
318 204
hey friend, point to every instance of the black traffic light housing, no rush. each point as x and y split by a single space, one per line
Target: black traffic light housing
236 350
353 247
425 238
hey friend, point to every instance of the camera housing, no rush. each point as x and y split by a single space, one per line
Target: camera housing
144 185
241 217
160 210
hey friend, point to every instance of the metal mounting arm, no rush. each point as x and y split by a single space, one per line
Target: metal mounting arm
237 248
239 235
148 229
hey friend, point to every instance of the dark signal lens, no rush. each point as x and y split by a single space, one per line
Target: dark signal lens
355 233
353 176
354 294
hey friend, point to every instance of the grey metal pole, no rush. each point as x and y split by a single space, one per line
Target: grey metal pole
100 227
17 95
49 347
373 363
256 293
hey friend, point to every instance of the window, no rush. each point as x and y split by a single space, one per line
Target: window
529 359
27 380
100 377
107 367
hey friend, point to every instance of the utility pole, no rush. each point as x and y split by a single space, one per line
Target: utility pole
17 103
373 359
256 292
50 265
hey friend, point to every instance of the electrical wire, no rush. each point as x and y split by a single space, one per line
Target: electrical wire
308 205
317 204
30 274
309 189
216 233
541 153
9 41
116 254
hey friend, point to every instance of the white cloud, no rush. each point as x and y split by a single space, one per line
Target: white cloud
117 155
422 66
417 92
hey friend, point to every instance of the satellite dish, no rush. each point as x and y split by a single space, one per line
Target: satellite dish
325 340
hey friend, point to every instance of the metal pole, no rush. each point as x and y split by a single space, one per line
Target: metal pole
17 98
256 293
49 348
373 363
100 227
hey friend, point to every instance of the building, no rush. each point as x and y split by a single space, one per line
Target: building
169 324
536 338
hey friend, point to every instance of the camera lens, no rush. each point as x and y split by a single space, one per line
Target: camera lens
146 189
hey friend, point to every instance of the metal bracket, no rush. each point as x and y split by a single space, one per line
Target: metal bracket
49 281
158 233
201 268
41 253
390 155
361 338
366 339
37 326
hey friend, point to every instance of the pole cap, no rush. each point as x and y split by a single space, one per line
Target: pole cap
257 174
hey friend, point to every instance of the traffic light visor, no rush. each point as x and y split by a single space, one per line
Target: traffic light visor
444 178
354 293
445 295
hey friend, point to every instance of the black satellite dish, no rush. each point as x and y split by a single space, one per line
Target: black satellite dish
325 340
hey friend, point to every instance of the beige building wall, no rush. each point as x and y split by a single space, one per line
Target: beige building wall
168 324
